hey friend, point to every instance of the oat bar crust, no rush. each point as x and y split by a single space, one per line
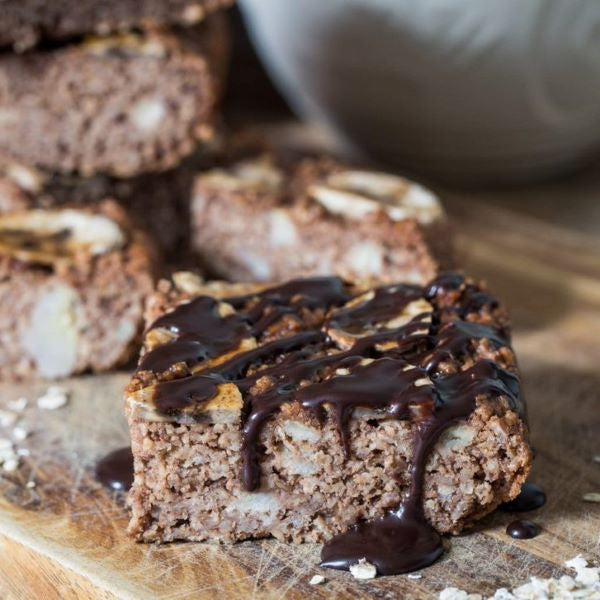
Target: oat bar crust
220 358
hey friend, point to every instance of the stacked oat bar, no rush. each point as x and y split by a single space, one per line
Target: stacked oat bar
335 382
106 112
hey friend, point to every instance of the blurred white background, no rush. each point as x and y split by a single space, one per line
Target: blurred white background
464 90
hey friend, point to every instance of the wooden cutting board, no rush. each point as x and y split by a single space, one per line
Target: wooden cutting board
65 538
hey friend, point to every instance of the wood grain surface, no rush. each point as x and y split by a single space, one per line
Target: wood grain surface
65 537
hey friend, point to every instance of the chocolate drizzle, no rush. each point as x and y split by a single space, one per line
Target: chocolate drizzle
115 470
201 332
406 367
522 530
530 498
386 303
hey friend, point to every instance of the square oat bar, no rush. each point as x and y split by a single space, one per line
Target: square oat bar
318 410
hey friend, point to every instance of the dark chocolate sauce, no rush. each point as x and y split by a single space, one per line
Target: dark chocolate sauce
443 283
522 530
457 338
403 540
201 333
530 498
396 370
385 304
115 470
394 544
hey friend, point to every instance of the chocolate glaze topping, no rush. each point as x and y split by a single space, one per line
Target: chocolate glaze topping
405 368
201 333
386 303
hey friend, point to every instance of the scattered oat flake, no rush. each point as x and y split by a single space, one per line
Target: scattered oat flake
7 418
18 405
452 593
584 586
414 576
20 433
30 484
591 497
54 398
23 452
588 576
363 570
10 464
576 563
317 580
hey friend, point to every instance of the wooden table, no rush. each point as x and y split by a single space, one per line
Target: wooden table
539 248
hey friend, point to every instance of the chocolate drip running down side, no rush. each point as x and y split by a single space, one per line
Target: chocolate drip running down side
397 369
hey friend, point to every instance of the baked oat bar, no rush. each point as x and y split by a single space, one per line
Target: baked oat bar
25 22
72 288
257 221
158 202
316 410
121 105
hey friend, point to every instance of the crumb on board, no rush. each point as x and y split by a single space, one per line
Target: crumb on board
317 580
584 586
18 405
591 497
363 570
55 397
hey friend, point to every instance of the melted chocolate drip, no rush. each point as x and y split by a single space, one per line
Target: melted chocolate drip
394 544
115 470
404 380
382 384
312 292
530 498
202 333
386 303
444 283
403 540
522 530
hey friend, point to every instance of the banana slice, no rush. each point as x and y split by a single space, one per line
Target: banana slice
258 174
355 194
51 236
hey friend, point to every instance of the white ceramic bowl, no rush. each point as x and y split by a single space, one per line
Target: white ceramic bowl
469 89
